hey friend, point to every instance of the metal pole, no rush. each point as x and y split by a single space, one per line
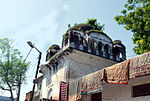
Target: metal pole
38 65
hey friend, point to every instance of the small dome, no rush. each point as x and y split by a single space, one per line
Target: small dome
54 46
118 42
53 49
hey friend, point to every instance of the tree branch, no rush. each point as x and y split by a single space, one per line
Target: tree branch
4 88
14 85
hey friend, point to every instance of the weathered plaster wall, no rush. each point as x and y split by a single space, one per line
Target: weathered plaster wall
56 79
114 92
70 67
81 64
52 78
44 81
75 65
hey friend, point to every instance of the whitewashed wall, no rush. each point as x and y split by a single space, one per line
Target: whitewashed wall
44 87
115 92
81 64
72 66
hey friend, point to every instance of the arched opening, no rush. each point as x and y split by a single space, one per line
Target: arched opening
49 95
66 39
106 50
93 46
76 40
81 40
122 54
71 36
116 52
85 45
48 56
100 45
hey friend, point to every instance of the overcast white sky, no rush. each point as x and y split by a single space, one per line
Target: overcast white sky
43 22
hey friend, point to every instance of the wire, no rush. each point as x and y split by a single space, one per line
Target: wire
27 55
32 69
3 92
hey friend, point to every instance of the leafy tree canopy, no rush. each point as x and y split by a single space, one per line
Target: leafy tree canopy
136 18
12 65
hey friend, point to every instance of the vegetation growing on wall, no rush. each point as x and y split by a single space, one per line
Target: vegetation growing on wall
95 25
88 26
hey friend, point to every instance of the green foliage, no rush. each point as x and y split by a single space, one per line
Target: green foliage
11 66
123 11
88 26
69 25
136 18
93 23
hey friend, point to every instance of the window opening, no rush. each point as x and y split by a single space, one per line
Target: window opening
96 97
141 90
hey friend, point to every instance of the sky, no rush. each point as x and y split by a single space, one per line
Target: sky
43 22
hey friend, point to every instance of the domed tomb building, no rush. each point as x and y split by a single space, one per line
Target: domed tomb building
84 51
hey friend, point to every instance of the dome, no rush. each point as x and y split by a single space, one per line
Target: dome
81 27
118 42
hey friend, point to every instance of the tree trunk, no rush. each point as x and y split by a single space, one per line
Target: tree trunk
8 51
12 98
10 87
19 88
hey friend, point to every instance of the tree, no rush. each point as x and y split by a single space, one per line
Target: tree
12 67
136 18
